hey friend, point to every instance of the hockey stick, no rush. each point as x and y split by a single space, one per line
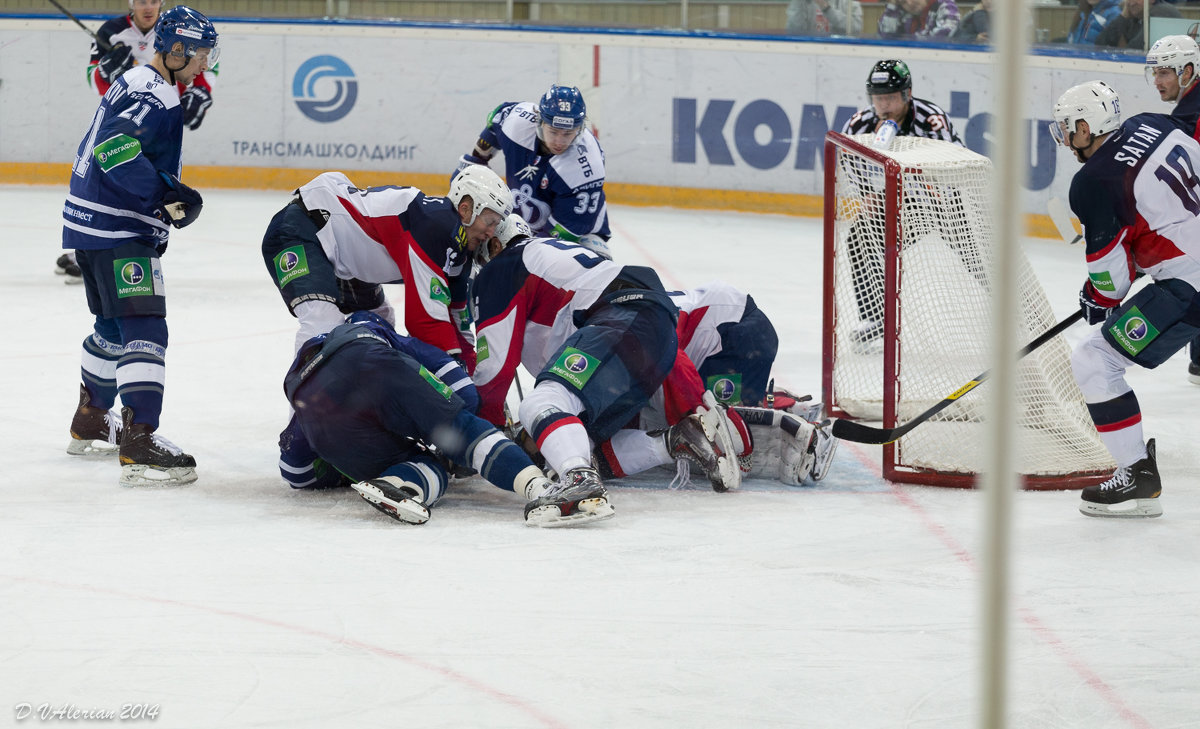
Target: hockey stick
852 431
1061 217
104 46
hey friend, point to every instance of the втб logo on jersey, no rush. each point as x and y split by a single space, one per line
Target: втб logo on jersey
319 104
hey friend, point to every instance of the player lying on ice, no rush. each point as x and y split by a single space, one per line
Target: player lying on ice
374 409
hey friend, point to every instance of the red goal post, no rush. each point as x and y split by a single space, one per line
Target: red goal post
907 311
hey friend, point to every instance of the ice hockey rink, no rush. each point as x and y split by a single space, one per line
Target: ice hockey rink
238 602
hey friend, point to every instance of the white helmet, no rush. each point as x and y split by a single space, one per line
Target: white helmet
1174 52
510 229
1094 102
484 187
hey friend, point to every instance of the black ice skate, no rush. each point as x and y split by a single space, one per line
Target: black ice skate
148 459
399 499
579 498
66 266
1131 493
94 431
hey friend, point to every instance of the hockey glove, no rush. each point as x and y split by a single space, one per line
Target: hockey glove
466 161
181 205
195 102
1093 311
117 61
597 245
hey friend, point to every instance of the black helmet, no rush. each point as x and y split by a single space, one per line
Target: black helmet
888 77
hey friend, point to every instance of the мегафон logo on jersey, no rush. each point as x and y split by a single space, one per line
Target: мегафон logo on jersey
324 69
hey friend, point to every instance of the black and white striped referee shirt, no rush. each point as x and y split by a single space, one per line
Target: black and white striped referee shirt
924 119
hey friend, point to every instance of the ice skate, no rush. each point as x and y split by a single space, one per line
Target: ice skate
66 266
704 438
148 459
1194 373
1131 493
579 498
395 497
94 431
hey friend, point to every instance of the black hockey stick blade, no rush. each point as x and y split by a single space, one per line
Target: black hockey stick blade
859 433
103 46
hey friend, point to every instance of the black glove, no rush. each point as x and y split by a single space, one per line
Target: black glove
195 102
117 61
181 205
1093 312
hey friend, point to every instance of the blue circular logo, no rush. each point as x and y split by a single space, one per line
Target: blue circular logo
1136 328
723 389
132 273
288 261
324 108
576 363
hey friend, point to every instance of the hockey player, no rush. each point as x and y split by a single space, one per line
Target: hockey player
552 162
1138 197
373 405
329 250
125 194
1171 68
889 87
600 338
130 39
729 339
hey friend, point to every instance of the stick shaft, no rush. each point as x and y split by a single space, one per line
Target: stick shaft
102 45
859 433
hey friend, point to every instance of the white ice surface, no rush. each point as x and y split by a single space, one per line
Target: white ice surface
238 602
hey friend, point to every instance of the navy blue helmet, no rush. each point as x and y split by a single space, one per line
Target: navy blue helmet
189 27
562 108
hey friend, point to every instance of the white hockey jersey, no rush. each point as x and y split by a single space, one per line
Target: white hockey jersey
524 301
701 311
392 234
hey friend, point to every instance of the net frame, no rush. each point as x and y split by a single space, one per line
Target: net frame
937 193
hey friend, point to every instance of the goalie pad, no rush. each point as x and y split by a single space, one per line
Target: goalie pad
787 448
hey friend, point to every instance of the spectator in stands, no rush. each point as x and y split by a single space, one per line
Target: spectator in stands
929 20
974 28
1125 30
824 17
1093 17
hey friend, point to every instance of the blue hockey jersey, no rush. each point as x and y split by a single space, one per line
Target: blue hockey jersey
116 189
560 195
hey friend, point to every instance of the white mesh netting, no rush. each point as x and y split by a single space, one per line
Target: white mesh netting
944 317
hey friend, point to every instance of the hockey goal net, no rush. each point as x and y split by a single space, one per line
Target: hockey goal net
907 315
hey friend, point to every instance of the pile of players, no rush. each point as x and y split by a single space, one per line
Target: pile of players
627 375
